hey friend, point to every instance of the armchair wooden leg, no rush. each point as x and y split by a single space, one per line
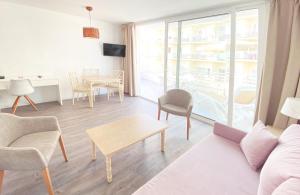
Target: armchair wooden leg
158 117
15 105
63 150
187 127
1 180
47 181
167 116
30 102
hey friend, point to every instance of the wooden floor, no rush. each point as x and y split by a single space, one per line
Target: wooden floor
132 167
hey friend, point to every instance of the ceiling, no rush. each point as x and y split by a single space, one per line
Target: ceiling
123 11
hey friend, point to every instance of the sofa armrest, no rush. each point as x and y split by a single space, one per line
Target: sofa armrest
229 133
27 158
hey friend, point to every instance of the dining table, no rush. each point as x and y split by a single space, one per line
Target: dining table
98 80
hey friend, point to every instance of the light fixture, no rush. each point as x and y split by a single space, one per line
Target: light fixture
90 31
291 108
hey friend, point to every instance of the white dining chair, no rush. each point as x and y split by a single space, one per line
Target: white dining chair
79 87
116 86
94 73
19 88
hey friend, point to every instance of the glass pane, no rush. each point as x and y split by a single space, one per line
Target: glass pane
150 59
172 54
245 84
204 65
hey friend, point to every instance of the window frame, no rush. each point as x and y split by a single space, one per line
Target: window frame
262 20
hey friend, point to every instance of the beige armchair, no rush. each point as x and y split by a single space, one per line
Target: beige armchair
27 143
178 102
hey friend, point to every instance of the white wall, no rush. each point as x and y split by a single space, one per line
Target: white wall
35 41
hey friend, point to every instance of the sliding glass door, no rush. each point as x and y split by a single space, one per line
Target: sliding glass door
246 68
204 64
215 58
172 56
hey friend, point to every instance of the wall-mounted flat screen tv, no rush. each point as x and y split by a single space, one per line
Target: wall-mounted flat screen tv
113 50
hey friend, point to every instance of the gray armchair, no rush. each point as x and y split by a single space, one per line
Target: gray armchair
178 102
27 143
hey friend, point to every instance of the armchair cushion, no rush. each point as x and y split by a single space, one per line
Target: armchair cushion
173 109
26 158
45 142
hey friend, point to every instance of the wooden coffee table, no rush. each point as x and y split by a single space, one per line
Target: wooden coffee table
115 136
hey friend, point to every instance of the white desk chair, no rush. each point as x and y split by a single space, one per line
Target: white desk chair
19 88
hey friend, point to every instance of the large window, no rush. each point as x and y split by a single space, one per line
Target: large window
213 57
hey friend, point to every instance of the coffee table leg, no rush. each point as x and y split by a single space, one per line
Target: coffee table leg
108 169
162 141
94 151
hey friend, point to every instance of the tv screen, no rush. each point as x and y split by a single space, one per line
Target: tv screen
113 50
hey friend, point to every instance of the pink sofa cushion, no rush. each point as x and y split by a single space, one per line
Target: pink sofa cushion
283 163
289 187
212 167
257 145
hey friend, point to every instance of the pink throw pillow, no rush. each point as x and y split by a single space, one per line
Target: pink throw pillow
257 145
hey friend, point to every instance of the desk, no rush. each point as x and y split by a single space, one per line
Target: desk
98 80
36 82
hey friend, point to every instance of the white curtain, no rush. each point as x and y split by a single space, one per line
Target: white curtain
280 77
129 62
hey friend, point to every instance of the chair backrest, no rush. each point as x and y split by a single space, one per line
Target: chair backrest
120 75
90 72
20 87
178 97
10 129
74 79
